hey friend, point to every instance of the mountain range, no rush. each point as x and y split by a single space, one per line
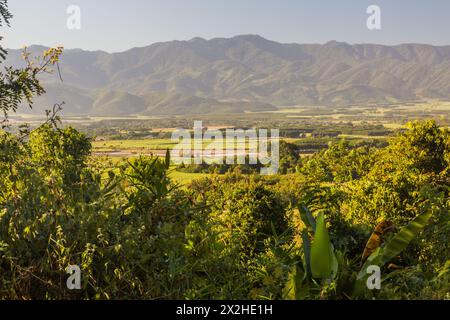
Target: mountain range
241 74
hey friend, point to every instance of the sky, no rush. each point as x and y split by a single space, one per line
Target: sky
118 25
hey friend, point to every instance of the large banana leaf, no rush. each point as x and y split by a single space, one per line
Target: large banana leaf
392 248
323 260
397 243
401 240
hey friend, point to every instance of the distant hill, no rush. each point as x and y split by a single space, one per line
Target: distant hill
244 73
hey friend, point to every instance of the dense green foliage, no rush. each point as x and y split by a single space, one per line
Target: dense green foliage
136 234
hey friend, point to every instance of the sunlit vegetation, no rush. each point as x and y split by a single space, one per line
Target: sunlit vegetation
309 232
136 234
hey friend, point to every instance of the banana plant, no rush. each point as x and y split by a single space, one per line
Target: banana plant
319 259
392 248
320 266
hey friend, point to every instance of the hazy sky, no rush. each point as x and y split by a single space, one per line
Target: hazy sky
117 25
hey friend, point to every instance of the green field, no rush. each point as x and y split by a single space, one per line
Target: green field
183 178
143 144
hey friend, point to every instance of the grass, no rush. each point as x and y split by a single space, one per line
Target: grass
181 178
184 178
